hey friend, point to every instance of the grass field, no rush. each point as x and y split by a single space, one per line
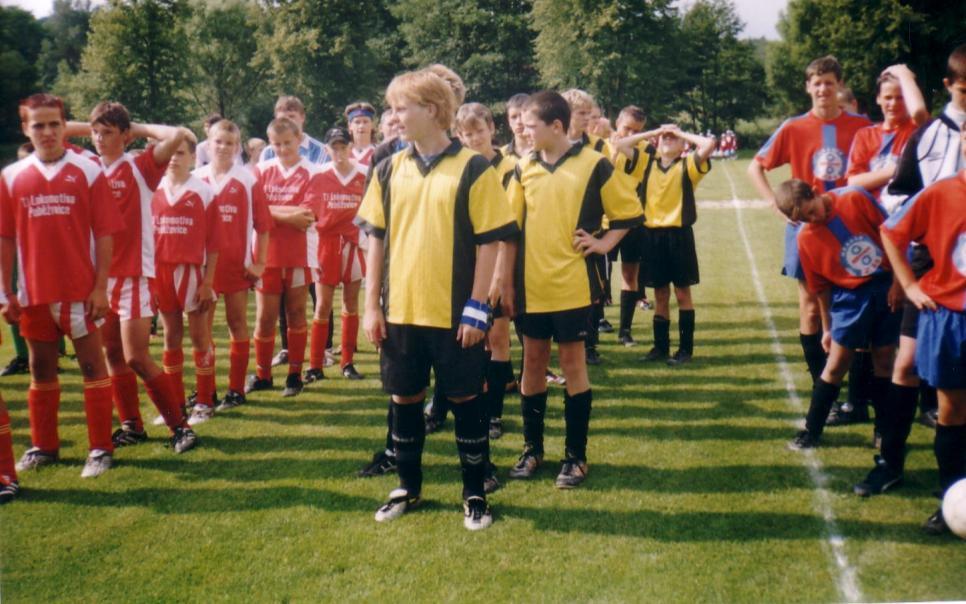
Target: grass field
691 495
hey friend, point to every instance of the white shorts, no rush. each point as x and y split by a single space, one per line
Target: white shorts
130 297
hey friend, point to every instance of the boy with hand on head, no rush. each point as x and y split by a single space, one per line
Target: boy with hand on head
56 204
245 221
560 194
845 268
423 310
187 236
668 255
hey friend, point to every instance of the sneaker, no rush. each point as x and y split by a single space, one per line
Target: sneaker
349 372
255 383
679 358
434 423
158 421
645 304
328 359
593 357
802 440
935 524
527 465
876 439
16 366
34 458
183 439
98 462
281 358
604 326
313 374
490 482
655 354
232 399
192 399
476 514
573 471
846 414
399 503
293 385
625 339
8 490
200 414
127 435
496 428
382 463
929 418
553 378
879 480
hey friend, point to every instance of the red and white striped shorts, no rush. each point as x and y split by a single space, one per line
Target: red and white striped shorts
130 297
275 280
175 287
340 261
47 322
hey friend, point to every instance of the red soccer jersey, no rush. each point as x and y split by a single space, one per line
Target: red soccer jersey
936 217
87 153
846 250
55 211
817 149
363 156
243 211
289 247
132 181
874 148
338 201
186 223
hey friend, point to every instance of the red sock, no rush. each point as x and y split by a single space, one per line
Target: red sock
161 393
99 409
126 399
264 349
239 353
296 349
8 469
350 336
204 377
320 333
173 361
44 400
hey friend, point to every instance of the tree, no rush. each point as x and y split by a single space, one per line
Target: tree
65 36
20 40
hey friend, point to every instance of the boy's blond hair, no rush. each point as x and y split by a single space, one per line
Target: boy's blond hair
791 195
425 87
289 103
455 82
227 126
281 125
472 114
578 99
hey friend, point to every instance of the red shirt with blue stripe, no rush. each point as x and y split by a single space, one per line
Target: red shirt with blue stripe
876 147
846 250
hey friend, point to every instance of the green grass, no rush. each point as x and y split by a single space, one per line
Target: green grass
691 494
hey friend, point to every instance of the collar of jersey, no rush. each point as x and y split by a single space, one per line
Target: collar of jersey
424 168
495 162
574 150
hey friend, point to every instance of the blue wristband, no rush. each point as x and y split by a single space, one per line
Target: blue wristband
476 314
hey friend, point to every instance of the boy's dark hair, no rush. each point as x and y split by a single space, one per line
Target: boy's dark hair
791 195
550 106
517 101
110 113
956 65
823 65
886 78
41 99
212 119
634 112
192 145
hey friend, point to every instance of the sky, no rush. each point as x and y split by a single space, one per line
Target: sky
760 16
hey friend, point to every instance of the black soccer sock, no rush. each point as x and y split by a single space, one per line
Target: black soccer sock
390 449
662 334
283 321
878 393
472 443
593 331
823 395
898 414
498 375
577 414
408 436
928 401
628 305
686 330
814 354
440 407
533 407
860 379
329 340
950 450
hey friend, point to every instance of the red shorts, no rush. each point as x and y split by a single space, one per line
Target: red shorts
175 287
340 261
275 280
130 297
231 279
47 322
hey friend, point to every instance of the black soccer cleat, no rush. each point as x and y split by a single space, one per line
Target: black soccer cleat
593 357
929 419
604 326
349 372
802 440
935 524
490 482
127 435
527 465
313 374
573 472
476 514
625 339
16 366
846 414
382 463
293 385
232 399
879 480
496 428
9 489
655 354
183 439
255 383
680 357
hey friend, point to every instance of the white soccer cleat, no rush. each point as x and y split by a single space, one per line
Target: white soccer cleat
98 462
399 502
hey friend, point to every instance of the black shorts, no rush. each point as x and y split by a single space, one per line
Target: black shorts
629 246
909 326
410 351
668 256
562 326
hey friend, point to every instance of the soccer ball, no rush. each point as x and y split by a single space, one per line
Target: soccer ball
954 508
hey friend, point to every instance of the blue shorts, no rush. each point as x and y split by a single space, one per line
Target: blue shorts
941 348
791 265
861 316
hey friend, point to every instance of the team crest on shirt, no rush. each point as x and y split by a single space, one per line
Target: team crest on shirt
878 162
959 254
861 256
828 163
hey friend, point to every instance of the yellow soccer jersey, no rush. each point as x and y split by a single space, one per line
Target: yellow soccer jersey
431 217
667 193
504 165
550 203
598 144
510 150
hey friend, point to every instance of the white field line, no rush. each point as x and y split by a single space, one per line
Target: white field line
847 582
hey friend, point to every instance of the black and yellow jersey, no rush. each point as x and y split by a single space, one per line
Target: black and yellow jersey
504 165
597 143
431 216
667 193
550 203
510 150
